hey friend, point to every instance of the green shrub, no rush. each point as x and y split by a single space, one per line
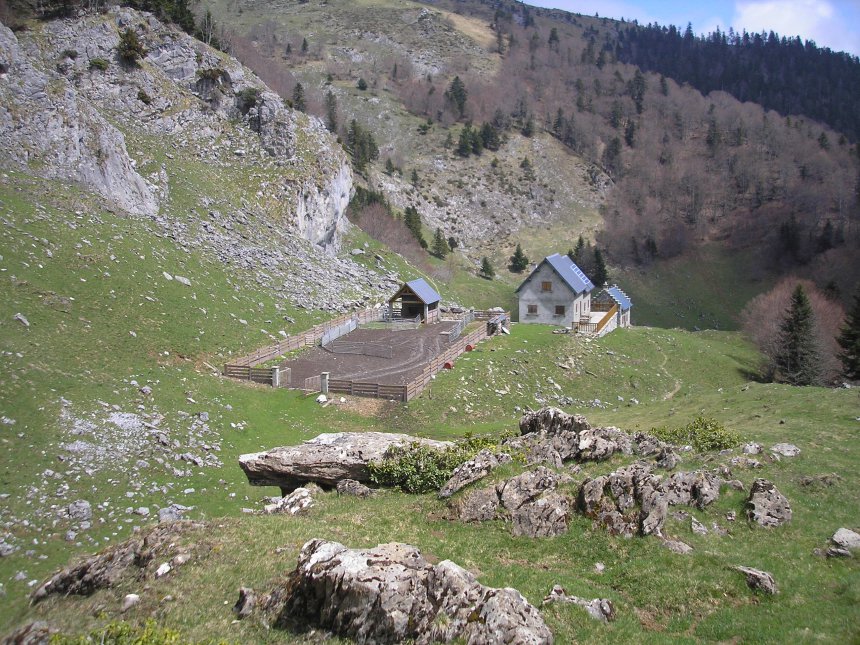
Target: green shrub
211 73
143 97
99 63
123 633
702 433
419 469
69 53
130 48
248 98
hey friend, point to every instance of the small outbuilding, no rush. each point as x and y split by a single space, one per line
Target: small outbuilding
557 292
415 298
614 295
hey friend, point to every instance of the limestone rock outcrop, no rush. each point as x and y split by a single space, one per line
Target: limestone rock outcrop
766 505
390 594
326 459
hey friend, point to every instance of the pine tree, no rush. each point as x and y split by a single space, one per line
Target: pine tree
440 245
519 261
797 361
299 98
600 273
413 179
413 222
331 111
849 341
486 269
464 144
457 95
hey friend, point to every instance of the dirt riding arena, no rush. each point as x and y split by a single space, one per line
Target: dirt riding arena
384 356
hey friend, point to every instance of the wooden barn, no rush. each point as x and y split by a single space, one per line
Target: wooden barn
415 299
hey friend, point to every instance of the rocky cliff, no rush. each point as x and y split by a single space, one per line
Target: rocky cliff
70 103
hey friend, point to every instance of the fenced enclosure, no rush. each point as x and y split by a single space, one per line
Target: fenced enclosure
341 330
359 348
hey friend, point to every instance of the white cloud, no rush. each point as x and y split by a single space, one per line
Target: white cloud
817 20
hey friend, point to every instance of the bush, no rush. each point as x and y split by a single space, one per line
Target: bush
702 433
143 97
123 633
100 64
69 53
130 48
419 469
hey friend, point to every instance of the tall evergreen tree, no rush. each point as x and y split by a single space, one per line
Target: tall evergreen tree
299 98
486 269
849 341
600 274
797 360
331 111
457 95
413 222
440 245
519 261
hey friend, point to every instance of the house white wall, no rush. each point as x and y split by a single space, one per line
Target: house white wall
560 295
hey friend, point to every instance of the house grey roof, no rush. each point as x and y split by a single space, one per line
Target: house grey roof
567 271
424 291
620 297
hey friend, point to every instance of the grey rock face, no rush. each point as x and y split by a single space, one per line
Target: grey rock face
390 593
353 488
552 421
600 608
80 511
846 539
627 502
478 505
676 546
695 488
758 580
296 502
472 470
326 459
246 604
766 505
785 449
105 569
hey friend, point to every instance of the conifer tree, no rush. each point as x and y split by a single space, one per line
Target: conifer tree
440 245
299 98
486 269
331 111
600 273
457 95
519 261
413 222
849 341
797 360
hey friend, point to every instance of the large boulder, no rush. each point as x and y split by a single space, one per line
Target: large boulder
627 502
390 594
766 505
326 459
552 421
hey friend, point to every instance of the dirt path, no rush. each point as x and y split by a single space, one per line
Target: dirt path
662 367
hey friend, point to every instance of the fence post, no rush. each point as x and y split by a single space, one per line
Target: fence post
276 377
324 383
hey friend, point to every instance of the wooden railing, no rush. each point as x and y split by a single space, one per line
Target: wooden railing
606 320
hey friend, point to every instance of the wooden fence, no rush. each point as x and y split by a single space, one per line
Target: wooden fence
305 339
600 327
275 376
409 391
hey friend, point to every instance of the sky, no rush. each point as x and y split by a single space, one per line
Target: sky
830 23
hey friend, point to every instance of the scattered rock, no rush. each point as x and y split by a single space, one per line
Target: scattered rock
129 601
353 488
171 513
846 539
163 570
752 449
758 580
786 449
478 505
293 504
766 505
827 480
36 633
246 604
599 608
472 470
80 511
21 318
391 593
676 546
325 459
182 280
697 527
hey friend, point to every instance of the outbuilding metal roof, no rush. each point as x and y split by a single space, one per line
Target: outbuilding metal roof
620 297
424 291
567 271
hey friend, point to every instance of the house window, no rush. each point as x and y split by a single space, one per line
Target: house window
546 286
559 310
532 309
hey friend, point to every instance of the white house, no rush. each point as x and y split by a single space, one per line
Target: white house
557 292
